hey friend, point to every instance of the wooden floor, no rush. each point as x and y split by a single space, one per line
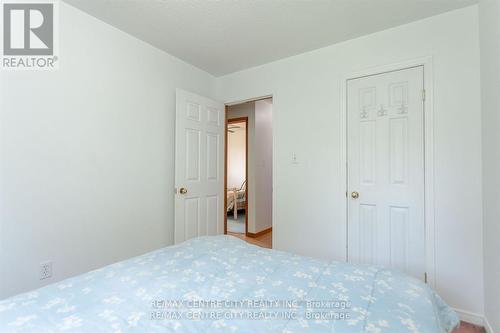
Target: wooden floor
265 240
469 328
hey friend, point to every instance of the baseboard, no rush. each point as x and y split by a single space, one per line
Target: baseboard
260 233
470 317
487 326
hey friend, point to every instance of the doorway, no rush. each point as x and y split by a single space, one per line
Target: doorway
237 175
249 171
201 185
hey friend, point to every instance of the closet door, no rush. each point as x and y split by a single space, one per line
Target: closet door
386 170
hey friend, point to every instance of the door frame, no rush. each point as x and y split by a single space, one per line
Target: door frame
252 98
429 215
227 122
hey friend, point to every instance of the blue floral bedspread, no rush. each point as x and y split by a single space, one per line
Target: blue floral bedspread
222 284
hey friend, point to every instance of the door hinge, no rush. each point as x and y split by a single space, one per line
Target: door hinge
425 277
423 95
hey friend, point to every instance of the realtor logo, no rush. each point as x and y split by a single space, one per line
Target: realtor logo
29 35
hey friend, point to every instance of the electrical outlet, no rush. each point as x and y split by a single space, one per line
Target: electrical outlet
45 270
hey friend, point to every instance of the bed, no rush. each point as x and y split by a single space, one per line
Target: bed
222 284
236 199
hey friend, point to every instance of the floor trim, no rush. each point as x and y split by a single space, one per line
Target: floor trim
472 318
260 233
487 326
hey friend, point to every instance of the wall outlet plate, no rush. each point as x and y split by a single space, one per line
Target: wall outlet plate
45 270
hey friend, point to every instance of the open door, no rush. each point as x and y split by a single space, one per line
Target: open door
199 166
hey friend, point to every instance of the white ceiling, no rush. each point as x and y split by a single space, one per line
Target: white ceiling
223 36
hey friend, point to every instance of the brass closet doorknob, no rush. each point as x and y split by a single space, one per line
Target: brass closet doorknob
355 195
183 190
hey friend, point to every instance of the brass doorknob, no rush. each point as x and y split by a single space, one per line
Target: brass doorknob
183 190
355 195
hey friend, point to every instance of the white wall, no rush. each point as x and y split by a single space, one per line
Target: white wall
489 18
306 121
236 157
263 165
86 154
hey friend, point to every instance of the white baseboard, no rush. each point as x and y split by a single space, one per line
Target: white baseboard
487 326
471 317
475 319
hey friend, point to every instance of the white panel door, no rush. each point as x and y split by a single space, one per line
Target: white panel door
199 171
386 170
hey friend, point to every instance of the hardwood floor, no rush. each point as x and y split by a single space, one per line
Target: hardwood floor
265 240
469 328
